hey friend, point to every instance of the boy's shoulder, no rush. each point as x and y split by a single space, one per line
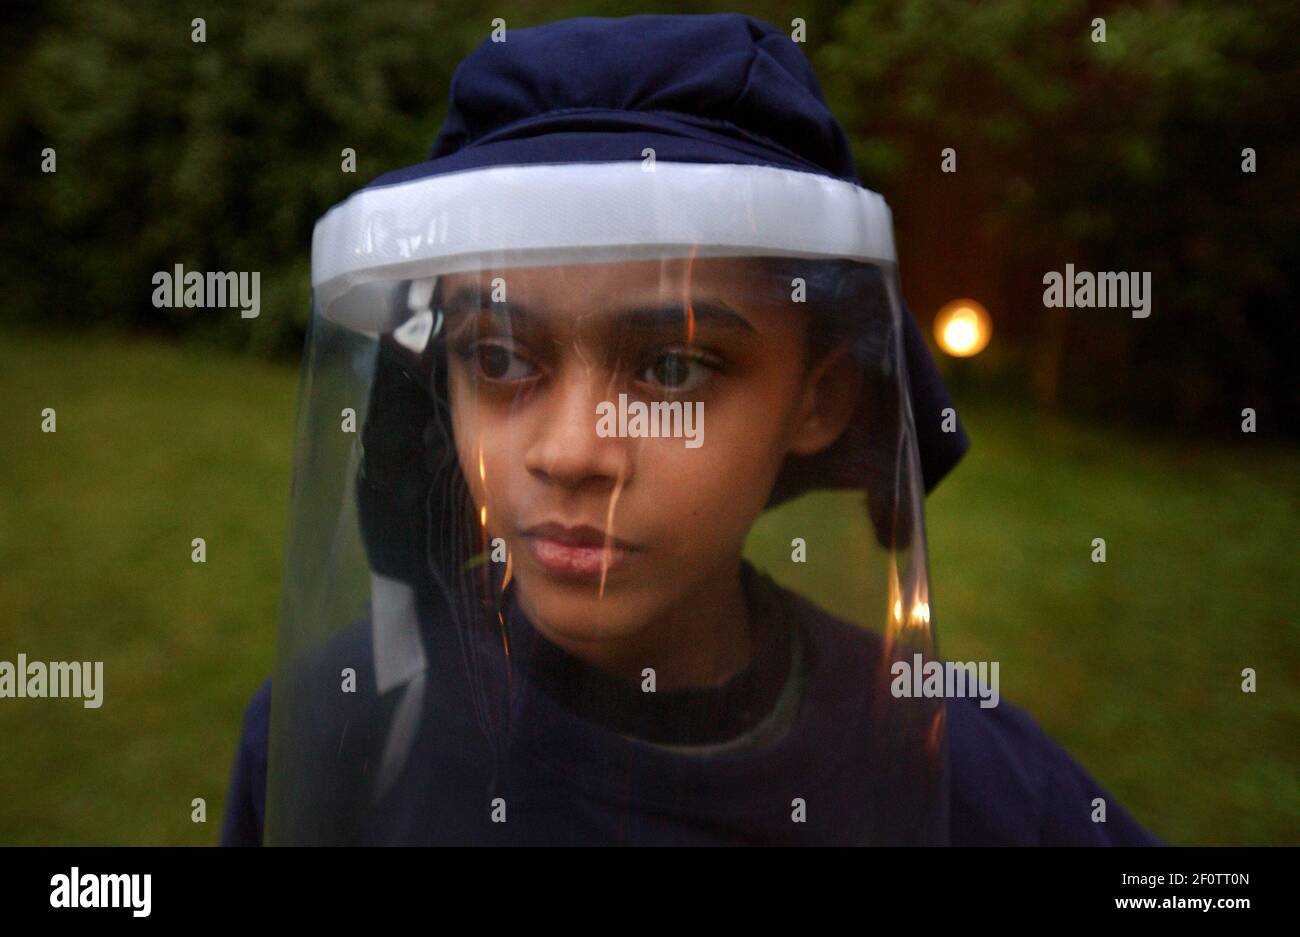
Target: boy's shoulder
343 723
1011 783
245 810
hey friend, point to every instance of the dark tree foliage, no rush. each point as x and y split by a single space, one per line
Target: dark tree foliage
1123 155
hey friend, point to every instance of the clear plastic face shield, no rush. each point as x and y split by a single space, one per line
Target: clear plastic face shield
606 529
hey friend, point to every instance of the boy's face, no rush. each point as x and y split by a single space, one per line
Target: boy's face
609 534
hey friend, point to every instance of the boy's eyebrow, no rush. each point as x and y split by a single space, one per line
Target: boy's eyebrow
670 315
713 312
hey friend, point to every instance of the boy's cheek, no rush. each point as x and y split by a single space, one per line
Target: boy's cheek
738 458
711 501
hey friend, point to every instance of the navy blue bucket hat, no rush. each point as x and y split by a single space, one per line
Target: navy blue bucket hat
720 88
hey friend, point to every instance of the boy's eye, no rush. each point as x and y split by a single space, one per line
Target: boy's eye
497 361
678 370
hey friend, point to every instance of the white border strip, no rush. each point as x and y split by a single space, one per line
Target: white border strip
580 213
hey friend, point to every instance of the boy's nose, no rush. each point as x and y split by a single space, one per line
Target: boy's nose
566 450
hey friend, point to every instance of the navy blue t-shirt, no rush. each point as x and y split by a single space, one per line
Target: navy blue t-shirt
574 776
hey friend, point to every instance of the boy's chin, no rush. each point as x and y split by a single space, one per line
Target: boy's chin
577 613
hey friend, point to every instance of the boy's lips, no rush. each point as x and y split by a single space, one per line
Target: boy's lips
580 551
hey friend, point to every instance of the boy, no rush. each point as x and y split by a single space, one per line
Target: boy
641 400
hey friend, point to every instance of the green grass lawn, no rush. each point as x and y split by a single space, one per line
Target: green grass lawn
1134 665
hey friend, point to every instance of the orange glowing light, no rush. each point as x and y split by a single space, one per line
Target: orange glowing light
609 529
690 309
482 475
936 730
895 601
963 328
